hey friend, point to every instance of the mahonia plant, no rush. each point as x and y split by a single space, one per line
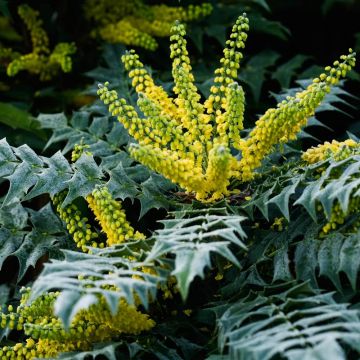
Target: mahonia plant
193 143
135 23
41 61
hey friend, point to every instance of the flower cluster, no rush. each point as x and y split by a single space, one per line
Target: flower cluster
77 224
338 216
283 123
111 217
108 212
193 143
134 23
47 336
41 61
335 149
126 33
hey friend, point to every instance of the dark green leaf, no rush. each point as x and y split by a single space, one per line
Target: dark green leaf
286 71
16 118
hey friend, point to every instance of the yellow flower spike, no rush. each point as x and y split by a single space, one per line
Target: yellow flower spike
61 56
230 64
178 170
31 62
192 12
125 113
282 124
124 32
188 99
152 27
230 123
105 12
111 216
95 324
144 83
336 149
78 150
127 320
108 212
76 224
219 171
39 38
160 23
338 216
161 129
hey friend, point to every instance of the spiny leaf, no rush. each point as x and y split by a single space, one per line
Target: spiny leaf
85 178
24 175
192 237
51 179
277 324
105 137
152 194
114 278
29 235
81 128
329 260
107 350
121 185
350 258
260 200
282 200
69 303
9 242
51 121
272 251
306 259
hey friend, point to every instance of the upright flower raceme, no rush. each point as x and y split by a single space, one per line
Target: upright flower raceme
190 142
